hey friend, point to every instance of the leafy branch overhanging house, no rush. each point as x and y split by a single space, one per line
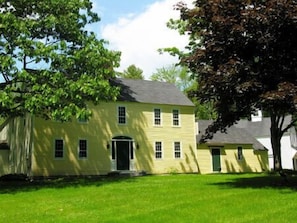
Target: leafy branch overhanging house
150 128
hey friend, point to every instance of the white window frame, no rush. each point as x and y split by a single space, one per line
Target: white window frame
55 148
174 118
175 151
118 115
154 120
157 143
79 149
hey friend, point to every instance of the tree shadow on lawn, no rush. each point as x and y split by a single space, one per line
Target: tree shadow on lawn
21 184
273 181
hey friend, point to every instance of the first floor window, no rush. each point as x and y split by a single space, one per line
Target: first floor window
59 148
239 153
177 150
82 153
121 115
158 150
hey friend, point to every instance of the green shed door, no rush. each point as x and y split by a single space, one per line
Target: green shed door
216 159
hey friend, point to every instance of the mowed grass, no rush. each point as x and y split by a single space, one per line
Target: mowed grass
167 198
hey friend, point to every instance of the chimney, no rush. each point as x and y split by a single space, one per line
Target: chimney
257 116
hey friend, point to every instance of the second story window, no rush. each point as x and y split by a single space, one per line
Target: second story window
157 116
122 115
82 119
175 117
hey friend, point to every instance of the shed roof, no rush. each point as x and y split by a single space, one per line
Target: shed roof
233 135
154 92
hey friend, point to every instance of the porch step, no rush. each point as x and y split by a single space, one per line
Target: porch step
127 173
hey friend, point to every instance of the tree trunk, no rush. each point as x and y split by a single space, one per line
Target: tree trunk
276 135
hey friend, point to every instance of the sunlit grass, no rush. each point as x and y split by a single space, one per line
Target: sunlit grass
170 198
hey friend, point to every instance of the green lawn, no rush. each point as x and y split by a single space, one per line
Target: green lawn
170 198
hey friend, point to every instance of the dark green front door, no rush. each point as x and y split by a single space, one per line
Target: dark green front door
216 160
123 160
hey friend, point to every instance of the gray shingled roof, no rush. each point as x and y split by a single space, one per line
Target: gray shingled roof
154 92
233 135
260 128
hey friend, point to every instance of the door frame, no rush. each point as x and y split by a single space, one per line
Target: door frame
213 161
130 149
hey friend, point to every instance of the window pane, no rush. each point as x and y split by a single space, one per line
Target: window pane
83 119
82 148
239 153
177 150
157 116
131 150
59 148
121 115
175 117
113 150
158 150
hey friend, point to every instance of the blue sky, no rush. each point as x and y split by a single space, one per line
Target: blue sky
111 10
138 29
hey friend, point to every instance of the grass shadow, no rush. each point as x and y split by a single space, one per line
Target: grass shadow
273 181
16 185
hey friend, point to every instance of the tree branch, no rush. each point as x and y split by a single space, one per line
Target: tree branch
289 126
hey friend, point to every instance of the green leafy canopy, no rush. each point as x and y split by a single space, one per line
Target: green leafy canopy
51 66
244 56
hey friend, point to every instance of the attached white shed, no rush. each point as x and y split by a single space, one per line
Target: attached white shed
259 127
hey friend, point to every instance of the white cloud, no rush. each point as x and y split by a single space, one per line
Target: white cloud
139 37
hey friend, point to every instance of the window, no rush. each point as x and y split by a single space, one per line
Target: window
82 119
158 150
121 115
175 117
59 148
157 116
239 153
177 150
82 150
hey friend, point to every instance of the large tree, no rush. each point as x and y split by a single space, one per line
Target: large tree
132 72
173 74
244 55
181 78
50 64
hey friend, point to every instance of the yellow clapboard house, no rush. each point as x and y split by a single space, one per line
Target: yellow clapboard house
150 129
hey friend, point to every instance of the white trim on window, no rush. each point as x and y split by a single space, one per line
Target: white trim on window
176 118
122 115
177 150
157 119
158 150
